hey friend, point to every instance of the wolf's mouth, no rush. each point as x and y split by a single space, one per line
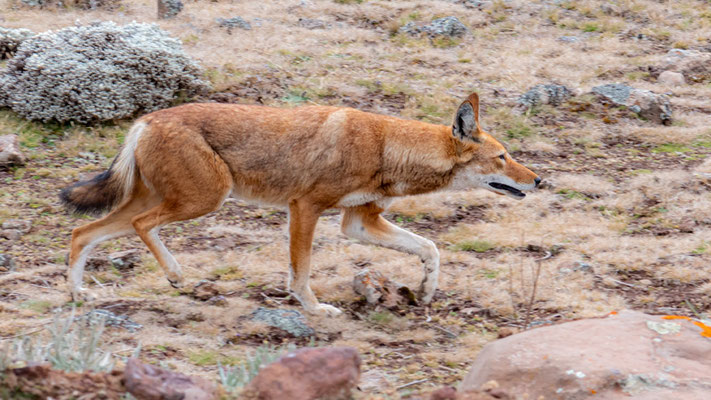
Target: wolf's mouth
511 191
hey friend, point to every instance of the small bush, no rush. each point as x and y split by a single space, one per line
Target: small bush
238 376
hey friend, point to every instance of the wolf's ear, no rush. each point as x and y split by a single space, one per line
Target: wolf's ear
466 122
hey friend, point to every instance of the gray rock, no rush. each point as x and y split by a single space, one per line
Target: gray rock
310 23
169 8
569 39
80 4
10 151
111 319
694 65
123 260
21 225
447 26
10 40
647 104
99 72
6 263
234 22
290 321
552 94
671 78
410 28
10 234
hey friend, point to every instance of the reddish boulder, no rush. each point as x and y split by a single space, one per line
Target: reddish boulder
621 355
308 374
147 382
41 381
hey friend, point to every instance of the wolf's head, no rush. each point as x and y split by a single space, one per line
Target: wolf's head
486 164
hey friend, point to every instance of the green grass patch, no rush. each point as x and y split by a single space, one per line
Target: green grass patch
671 148
479 246
210 357
573 194
590 27
38 306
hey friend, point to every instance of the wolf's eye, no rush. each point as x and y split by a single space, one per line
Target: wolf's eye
502 157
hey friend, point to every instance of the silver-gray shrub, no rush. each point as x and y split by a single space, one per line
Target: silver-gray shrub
10 40
74 344
98 72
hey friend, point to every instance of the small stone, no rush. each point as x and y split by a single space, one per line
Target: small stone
671 78
290 321
447 26
10 151
552 94
378 289
111 319
169 8
569 39
6 263
205 290
310 23
234 22
148 382
124 260
219 300
11 234
308 374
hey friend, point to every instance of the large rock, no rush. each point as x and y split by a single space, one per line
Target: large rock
552 94
621 355
97 73
646 103
232 23
308 374
10 40
147 382
290 321
10 151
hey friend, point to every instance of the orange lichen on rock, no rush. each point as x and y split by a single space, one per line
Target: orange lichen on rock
705 329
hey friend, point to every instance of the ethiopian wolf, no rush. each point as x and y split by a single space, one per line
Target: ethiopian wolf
183 162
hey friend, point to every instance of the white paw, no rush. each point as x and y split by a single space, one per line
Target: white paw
177 282
426 298
325 310
84 295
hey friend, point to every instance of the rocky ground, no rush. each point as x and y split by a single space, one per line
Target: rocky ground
623 220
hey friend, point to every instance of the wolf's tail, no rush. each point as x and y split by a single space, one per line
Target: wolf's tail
108 189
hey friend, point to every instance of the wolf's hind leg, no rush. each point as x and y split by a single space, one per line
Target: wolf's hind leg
365 223
115 224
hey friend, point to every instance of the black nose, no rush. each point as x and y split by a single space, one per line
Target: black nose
538 181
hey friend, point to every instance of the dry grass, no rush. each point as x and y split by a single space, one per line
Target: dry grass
627 214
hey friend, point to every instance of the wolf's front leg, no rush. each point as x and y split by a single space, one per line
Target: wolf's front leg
303 217
365 223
